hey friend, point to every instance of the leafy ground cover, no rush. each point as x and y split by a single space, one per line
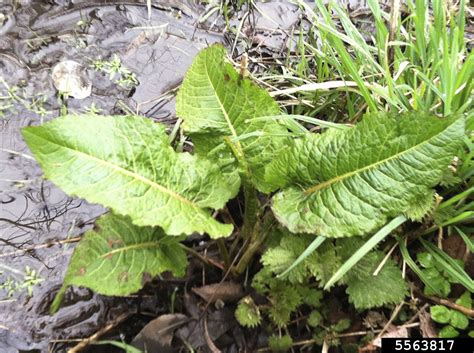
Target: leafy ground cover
333 213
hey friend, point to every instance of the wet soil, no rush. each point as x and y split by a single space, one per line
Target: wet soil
36 218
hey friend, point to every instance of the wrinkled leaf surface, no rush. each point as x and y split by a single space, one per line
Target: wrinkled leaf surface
216 104
126 163
350 182
118 258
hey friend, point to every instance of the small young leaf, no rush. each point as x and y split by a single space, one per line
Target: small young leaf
126 163
342 325
465 300
119 258
217 106
425 259
288 298
247 313
349 182
438 284
315 318
280 344
448 332
459 320
440 314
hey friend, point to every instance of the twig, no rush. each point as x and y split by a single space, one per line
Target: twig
389 322
41 246
84 343
449 304
209 341
385 259
18 224
206 260
394 15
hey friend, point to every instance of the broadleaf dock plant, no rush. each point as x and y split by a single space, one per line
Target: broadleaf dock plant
339 184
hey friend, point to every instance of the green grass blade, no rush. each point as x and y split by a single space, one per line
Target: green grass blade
305 119
456 198
449 265
316 243
127 348
469 242
369 245
409 261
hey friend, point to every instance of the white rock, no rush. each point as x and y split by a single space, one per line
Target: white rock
70 77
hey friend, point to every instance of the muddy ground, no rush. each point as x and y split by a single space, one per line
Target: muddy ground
39 224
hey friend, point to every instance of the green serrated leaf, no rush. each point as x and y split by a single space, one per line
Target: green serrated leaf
321 263
280 344
388 287
315 318
119 258
217 105
247 313
287 299
350 182
126 163
421 207
366 290
284 296
279 258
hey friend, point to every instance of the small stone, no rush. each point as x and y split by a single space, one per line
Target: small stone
70 77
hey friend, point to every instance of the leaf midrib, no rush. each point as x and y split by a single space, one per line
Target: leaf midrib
124 171
150 244
221 105
227 119
328 183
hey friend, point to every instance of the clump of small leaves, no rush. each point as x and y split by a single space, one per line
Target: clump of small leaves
280 344
435 274
118 73
30 278
452 320
343 185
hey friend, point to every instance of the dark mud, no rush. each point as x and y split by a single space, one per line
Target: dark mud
39 224
36 218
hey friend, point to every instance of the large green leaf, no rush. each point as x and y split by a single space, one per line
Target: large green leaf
126 163
217 106
119 258
350 182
